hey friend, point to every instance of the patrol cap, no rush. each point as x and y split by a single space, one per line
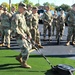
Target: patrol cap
22 5
34 8
29 5
73 5
1 6
5 9
13 7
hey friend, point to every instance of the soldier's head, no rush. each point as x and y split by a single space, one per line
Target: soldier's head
34 9
13 8
55 12
73 7
61 12
21 7
29 7
1 7
5 9
47 8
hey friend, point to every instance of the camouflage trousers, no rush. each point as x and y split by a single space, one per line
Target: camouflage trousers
6 36
53 26
45 28
25 46
71 33
59 31
35 35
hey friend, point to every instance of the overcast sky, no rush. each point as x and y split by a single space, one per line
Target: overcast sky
56 2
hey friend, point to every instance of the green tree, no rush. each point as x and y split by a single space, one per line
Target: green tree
37 4
46 4
4 4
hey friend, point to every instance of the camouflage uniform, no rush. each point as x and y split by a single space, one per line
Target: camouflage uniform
47 18
5 21
54 23
70 19
21 33
60 25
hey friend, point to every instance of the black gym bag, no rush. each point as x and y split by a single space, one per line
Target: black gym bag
60 69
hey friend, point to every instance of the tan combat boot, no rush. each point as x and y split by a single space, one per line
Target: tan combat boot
25 65
8 46
1 45
19 58
68 43
73 43
40 46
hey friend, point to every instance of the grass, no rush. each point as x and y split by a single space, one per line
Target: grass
9 66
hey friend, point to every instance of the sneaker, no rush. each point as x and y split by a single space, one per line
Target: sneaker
40 46
73 43
8 46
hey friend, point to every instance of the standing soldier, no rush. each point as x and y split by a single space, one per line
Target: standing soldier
5 21
54 23
70 20
27 15
47 18
22 34
60 25
12 10
34 31
1 11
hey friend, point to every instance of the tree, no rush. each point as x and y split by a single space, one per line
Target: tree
26 1
63 7
4 4
46 4
37 4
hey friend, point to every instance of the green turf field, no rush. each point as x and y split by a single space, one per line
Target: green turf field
9 66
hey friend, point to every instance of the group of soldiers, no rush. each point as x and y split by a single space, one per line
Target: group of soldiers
51 21
23 25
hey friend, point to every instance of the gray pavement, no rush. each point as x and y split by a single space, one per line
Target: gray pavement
50 48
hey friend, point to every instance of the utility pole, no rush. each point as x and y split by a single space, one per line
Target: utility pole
9 5
38 2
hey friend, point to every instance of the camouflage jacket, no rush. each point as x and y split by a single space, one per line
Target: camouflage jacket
70 18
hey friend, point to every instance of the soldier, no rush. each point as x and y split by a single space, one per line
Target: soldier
54 23
70 20
22 35
5 21
12 10
34 31
60 25
47 18
1 11
29 9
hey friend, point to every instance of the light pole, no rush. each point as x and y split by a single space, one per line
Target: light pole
9 5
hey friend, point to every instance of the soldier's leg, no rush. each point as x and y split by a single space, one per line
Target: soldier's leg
24 52
45 27
70 33
53 27
38 39
7 33
49 32
73 37
33 34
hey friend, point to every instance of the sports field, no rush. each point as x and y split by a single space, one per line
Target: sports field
9 66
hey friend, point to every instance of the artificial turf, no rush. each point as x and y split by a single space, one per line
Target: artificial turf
9 66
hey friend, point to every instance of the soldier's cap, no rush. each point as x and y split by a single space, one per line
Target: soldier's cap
34 8
73 5
23 5
29 5
1 6
13 7
5 9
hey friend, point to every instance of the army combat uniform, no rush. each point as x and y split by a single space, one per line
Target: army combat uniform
47 18
70 19
60 25
22 34
54 23
5 22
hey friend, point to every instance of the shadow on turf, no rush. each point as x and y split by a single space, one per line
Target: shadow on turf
9 66
49 72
